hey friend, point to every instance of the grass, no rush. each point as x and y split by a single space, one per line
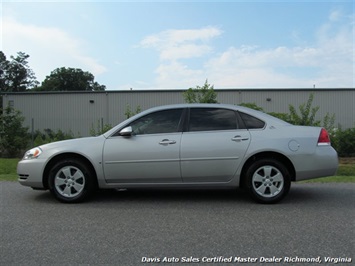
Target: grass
8 169
345 174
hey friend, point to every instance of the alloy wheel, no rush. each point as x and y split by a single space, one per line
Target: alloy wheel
69 181
267 181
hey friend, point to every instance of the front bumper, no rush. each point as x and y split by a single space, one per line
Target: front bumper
30 172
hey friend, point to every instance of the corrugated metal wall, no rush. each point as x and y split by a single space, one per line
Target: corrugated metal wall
80 112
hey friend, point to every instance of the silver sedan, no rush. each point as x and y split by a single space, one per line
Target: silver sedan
186 145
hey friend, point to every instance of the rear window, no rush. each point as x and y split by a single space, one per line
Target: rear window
251 122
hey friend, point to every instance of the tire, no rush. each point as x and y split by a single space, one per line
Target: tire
268 181
71 181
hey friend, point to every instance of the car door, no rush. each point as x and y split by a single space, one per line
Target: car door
213 145
150 154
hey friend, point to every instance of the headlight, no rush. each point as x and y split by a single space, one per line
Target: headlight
33 153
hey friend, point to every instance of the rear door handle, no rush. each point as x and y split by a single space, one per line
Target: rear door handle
167 142
239 138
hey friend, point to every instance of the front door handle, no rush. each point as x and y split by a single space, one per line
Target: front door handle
239 138
167 142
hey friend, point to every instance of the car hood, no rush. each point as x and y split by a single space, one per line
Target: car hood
73 144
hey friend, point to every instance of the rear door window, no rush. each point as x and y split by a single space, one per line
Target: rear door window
211 119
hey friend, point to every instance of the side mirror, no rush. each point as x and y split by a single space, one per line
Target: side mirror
127 131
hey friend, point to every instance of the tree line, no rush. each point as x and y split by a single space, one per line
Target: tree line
17 76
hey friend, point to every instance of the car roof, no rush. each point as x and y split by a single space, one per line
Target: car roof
199 105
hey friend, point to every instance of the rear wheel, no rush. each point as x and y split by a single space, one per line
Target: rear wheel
71 180
268 181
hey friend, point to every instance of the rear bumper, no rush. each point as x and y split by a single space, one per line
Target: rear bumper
321 164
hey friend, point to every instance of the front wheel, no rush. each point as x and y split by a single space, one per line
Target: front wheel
268 181
71 180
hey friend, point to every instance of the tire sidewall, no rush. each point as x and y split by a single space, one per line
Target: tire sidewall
280 167
89 182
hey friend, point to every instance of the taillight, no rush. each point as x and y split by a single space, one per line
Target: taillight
323 137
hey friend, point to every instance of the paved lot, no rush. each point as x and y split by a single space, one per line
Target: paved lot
124 228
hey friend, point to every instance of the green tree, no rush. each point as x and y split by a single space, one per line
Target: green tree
305 118
282 116
4 65
343 141
48 135
16 75
101 128
70 79
307 113
13 135
204 94
129 113
328 122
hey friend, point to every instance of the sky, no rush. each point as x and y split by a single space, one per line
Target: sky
181 44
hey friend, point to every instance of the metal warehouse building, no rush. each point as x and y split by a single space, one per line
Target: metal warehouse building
79 112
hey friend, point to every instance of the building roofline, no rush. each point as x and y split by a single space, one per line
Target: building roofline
173 90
